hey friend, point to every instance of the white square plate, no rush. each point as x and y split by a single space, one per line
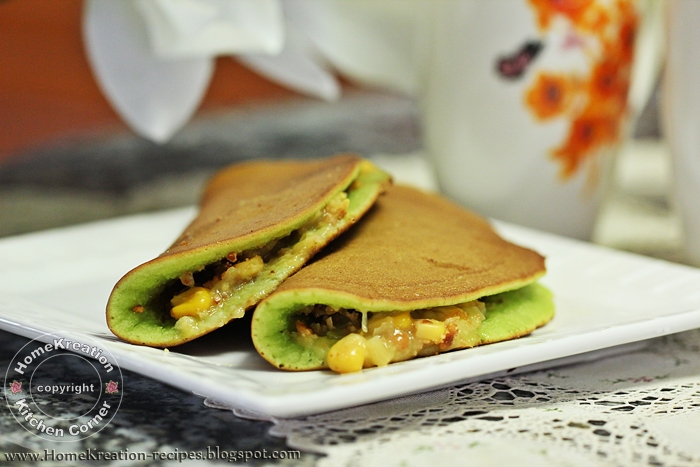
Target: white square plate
58 282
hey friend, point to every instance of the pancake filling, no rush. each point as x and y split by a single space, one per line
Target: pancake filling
352 340
199 294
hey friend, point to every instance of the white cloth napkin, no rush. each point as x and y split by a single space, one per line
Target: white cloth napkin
154 58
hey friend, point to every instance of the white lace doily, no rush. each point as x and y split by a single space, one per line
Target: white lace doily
641 408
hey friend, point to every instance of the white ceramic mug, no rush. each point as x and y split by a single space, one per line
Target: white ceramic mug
524 102
681 116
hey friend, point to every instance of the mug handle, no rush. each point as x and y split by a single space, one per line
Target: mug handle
649 47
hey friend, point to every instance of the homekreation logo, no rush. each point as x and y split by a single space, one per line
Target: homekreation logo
63 389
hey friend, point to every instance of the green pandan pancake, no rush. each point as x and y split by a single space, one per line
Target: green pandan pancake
259 222
416 277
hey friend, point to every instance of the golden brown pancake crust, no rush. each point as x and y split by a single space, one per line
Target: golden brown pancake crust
254 197
244 207
415 249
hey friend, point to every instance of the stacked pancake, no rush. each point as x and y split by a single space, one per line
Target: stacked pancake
416 276
258 224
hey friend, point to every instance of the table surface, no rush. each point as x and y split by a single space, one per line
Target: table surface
154 417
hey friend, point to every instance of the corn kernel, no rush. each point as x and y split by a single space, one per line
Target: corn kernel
186 324
431 330
474 308
379 352
377 321
403 321
191 302
348 354
242 272
249 267
337 207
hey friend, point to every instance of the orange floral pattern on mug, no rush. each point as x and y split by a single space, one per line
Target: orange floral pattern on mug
551 95
575 10
595 102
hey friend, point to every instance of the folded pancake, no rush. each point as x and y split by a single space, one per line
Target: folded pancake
417 276
258 223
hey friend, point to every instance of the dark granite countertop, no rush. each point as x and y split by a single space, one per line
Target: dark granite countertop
152 417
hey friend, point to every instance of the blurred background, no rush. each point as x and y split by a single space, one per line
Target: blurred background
66 157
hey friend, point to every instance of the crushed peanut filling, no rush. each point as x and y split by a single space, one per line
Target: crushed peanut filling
354 340
198 294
